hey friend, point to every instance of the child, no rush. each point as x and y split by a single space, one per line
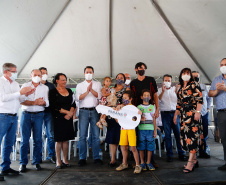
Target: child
128 137
146 130
103 101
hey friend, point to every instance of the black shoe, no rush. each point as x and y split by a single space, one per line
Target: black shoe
37 167
98 161
204 155
22 168
111 165
183 157
222 167
65 165
10 171
1 178
59 167
82 162
53 160
169 159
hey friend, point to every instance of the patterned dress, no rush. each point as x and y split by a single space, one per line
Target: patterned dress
103 100
187 100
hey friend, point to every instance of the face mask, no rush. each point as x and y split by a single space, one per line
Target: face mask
196 79
88 76
141 72
186 77
167 84
44 77
127 82
119 82
36 79
223 69
13 76
125 102
146 99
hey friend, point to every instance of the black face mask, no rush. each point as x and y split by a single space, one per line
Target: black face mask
141 72
196 79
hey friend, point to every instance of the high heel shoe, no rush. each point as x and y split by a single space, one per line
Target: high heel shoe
185 170
196 164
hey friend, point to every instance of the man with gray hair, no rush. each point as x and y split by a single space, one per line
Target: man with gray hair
32 119
10 98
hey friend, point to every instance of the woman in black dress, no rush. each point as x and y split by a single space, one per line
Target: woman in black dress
62 106
113 129
189 105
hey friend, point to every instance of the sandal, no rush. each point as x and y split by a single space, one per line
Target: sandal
185 170
196 165
104 122
99 125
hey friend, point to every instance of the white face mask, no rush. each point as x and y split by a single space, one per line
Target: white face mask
13 76
186 77
88 76
223 69
44 77
36 79
127 82
167 84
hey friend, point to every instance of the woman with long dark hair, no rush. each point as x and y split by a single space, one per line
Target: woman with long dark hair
189 105
113 129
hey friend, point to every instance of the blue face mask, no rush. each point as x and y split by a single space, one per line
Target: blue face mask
146 99
125 102
119 82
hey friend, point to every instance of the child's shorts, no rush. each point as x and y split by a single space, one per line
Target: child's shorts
128 137
146 140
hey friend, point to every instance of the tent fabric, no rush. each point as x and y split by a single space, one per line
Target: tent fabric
81 36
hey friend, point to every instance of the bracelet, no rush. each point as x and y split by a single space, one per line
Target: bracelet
198 112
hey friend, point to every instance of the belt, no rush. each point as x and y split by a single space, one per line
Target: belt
171 111
222 110
91 108
33 112
8 114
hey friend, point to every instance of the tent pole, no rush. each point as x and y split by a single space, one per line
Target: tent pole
110 35
66 4
161 13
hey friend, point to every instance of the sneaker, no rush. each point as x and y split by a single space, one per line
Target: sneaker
82 162
104 122
154 164
143 166
99 125
222 167
138 169
150 167
122 167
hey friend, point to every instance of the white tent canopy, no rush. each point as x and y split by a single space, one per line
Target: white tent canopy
113 35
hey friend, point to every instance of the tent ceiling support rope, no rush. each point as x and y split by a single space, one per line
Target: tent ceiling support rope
110 36
66 4
161 13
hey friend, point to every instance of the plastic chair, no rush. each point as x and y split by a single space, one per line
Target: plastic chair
159 145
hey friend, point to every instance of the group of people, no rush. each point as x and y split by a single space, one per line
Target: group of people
184 109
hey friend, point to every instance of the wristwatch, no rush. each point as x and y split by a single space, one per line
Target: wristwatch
198 112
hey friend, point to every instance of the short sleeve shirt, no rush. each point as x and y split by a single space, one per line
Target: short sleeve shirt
137 86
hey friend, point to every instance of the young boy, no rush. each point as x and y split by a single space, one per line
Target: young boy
146 130
128 137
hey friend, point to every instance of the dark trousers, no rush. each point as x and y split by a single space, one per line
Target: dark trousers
221 116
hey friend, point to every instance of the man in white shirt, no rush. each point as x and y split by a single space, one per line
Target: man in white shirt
204 115
10 94
167 103
87 93
32 119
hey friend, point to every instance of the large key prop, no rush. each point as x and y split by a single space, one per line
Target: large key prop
128 117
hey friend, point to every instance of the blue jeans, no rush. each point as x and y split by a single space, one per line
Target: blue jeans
167 121
8 127
86 117
48 123
31 122
205 124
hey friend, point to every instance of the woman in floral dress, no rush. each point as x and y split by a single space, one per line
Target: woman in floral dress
189 105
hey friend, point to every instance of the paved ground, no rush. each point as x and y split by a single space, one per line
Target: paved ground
167 173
